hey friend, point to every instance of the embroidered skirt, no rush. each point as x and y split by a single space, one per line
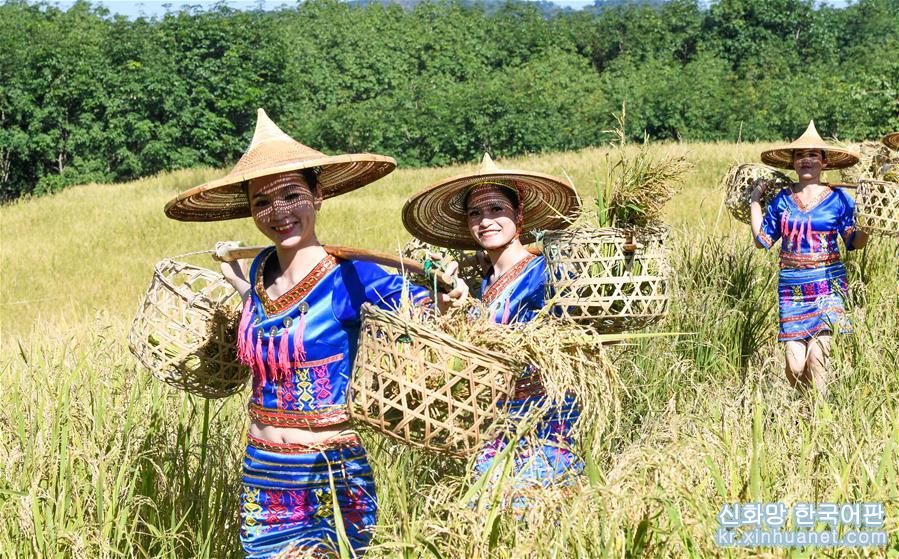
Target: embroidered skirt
812 301
547 456
287 502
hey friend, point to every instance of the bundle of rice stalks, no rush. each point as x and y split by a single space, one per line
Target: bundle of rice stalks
739 182
635 189
441 382
872 158
891 172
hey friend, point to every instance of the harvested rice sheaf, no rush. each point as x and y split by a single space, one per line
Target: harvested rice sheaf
636 188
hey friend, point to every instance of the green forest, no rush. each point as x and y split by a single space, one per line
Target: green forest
89 96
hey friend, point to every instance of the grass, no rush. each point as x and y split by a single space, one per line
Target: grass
98 459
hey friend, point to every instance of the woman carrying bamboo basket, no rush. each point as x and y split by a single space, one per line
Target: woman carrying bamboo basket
298 333
808 217
499 211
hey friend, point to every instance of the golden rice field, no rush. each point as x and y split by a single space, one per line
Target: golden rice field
98 459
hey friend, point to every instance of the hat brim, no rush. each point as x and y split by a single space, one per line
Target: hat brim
437 215
891 140
837 158
225 198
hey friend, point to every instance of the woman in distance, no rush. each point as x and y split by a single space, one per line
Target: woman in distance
808 218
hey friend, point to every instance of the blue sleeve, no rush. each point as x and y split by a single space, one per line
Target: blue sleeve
363 282
770 230
846 220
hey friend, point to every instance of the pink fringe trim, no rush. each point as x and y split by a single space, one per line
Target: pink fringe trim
284 355
271 359
260 365
299 352
245 335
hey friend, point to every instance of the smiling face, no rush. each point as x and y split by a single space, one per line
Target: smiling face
493 216
283 207
809 163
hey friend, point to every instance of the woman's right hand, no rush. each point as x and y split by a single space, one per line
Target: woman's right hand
235 273
758 189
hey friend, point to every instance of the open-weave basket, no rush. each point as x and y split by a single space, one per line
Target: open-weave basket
424 387
739 182
185 332
877 207
871 159
613 279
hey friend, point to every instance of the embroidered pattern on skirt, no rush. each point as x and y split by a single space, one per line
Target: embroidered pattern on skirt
287 502
812 301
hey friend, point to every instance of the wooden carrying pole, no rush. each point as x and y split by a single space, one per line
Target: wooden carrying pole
445 281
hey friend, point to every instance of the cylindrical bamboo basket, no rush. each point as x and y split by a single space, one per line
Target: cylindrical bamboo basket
739 182
877 207
185 331
425 388
613 279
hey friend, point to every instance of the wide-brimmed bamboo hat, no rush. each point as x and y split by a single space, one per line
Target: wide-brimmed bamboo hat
272 152
437 214
837 158
891 140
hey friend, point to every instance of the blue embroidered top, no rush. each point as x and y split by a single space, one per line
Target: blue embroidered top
301 345
517 295
808 232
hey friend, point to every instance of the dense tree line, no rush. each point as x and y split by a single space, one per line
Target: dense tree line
87 96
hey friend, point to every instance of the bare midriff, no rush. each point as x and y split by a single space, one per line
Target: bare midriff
293 435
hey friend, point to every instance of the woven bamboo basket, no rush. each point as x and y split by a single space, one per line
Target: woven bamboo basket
425 388
185 332
613 279
739 182
872 156
877 207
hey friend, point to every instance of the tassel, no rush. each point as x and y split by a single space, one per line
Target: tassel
299 352
808 232
260 365
271 359
506 309
245 335
284 355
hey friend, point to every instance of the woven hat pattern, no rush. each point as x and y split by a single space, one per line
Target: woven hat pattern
837 158
891 140
437 214
271 152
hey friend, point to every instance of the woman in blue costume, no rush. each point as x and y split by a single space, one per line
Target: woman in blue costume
298 334
499 211
808 218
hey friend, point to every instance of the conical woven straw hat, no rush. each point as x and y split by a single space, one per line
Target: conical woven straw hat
437 214
272 152
892 140
837 158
